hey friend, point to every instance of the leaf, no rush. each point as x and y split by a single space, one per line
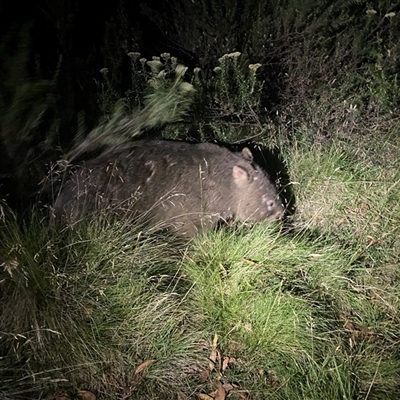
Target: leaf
143 366
229 386
137 375
203 396
221 394
86 395
226 362
213 355
214 352
205 375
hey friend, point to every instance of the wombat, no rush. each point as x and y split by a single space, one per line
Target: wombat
184 186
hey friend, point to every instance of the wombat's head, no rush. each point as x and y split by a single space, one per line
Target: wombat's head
258 199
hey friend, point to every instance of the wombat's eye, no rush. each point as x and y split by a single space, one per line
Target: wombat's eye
270 203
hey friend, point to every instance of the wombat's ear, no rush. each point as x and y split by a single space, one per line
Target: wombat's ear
246 154
240 175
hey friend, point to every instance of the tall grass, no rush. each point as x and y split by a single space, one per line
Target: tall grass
258 312
84 306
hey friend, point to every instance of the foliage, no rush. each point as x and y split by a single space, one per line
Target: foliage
231 92
156 98
337 57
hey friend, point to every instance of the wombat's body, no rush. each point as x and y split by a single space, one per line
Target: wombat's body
187 187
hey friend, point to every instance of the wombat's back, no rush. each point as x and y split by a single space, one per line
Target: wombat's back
186 186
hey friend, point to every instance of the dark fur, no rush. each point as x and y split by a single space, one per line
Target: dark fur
185 186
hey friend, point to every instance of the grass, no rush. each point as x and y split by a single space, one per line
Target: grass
309 313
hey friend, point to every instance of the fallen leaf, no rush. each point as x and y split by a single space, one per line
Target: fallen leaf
86 395
221 394
371 241
213 355
229 386
203 396
137 375
226 362
205 375
143 366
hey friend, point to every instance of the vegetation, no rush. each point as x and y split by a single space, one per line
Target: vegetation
306 309
121 311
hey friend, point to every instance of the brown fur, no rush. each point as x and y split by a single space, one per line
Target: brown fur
187 187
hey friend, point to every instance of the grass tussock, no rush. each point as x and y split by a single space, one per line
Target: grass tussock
85 306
